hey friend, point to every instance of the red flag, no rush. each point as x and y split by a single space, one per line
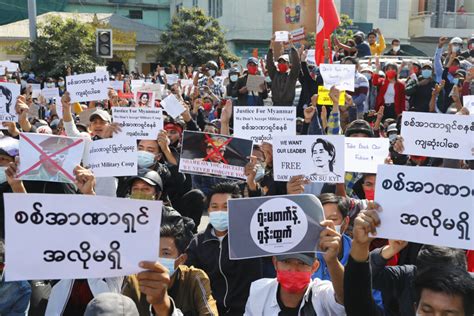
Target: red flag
328 21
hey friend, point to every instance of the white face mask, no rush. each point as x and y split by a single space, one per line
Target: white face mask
395 48
338 228
61 83
212 72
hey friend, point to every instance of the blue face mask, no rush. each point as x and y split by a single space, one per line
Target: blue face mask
168 264
260 172
455 81
145 159
3 176
426 73
268 79
219 220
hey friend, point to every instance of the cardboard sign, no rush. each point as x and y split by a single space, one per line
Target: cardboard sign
468 102
339 75
138 123
214 155
319 158
365 154
88 87
254 83
78 236
50 93
266 226
9 92
49 158
324 99
426 205
281 36
438 135
117 85
172 106
262 124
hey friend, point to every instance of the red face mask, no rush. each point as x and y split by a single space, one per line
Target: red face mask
369 194
294 281
207 106
282 68
390 74
252 69
453 69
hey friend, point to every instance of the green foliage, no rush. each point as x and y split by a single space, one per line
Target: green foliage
343 32
193 38
61 43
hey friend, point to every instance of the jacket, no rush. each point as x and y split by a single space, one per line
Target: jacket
242 98
399 93
191 293
230 279
309 87
283 84
420 95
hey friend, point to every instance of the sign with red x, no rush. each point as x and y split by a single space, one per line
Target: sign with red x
49 158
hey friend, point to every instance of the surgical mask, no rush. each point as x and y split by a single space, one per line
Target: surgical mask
234 78
395 48
212 72
219 220
426 73
392 137
142 196
260 172
145 159
168 264
61 83
50 85
455 81
456 48
368 75
337 228
268 79
3 176
294 281
283 68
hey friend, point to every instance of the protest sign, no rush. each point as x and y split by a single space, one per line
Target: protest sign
311 57
172 79
214 155
144 99
2 70
468 102
266 226
135 84
156 88
50 93
9 92
34 86
339 75
324 99
88 87
438 135
138 123
254 83
78 236
281 36
264 123
9 66
117 85
298 34
172 106
112 157
49 158
100 68
426 205
365 154
319 158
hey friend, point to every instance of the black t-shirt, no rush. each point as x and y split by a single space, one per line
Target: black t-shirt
286 311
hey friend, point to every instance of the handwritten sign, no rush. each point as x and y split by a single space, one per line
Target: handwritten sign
281 36
266 226
88 87
324 99
112 157
254 83
262 124
468 102
311 57
9 92
426 205
116 85
319 158
172 106
438 135
78 236
365 154
339 75
138 123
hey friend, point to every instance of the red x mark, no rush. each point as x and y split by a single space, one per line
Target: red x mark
48 157
216 149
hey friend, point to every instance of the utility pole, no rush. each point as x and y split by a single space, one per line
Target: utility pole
32 20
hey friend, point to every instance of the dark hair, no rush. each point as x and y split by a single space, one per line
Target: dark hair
329 147
181 232
391 65
430 256
341 202
8 94
371 33
225 188
395 40
448 280
353 60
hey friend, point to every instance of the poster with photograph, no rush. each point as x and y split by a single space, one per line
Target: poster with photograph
9 92
144 99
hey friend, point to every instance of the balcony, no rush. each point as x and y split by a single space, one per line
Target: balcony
428 25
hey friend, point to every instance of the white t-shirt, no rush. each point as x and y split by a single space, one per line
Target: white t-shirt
390 93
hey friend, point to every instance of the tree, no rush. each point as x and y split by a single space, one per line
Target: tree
343 32
61 44
194 38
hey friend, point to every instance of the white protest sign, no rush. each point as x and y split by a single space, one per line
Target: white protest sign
135 84
281 36
88 87
438 135
339 75
426 205
34 86
254 83
138 123
172 79
311 57
172 106
363 154
2 70
262 124
9 92
59 107
468 102
116 85
78 236
319 158
156 88
100 68
112 157
50 93
10 66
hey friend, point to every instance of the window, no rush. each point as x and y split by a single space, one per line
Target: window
270 5
347 7
195 3
215 8
135 14
388 9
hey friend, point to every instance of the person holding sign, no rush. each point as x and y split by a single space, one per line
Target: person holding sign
391 91
244 96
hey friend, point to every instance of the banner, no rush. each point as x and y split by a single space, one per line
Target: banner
88 87
438 135
78 236
340 75
294 15
267 226
262 124
9 92
138 123
319 158
365 154
426 205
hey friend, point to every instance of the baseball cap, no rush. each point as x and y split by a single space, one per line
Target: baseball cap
149 176
252 60
359 126
285 57
111 304
392 128
306 257
104 115
427 64
54 123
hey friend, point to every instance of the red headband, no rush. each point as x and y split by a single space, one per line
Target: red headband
172 126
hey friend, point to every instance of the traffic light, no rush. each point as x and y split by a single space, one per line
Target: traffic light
104 43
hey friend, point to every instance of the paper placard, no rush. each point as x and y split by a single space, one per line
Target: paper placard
100 68
365 154
311 57
50 93
144 99
135 84
88 87
10 66
138 123
112 157
339 75
59 107
319 158
254 83
426 205
214 155
172 79
438 135
116 85
281 36
75 236
156 88
9 92
267 226
2 70
324 99
172 106
262 124
468 102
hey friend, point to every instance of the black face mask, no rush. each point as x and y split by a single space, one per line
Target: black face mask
358 40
